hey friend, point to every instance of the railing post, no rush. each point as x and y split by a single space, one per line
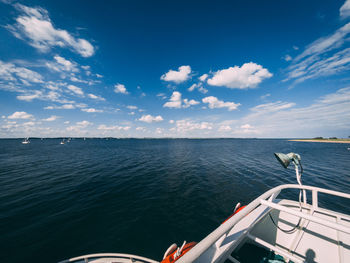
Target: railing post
314 198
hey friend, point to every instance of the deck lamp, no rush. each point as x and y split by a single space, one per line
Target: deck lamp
286 159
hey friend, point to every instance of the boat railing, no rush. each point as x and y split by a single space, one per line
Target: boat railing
266 199
124 257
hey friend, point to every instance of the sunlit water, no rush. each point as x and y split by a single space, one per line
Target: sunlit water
140 196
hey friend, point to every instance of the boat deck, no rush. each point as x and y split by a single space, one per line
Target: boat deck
310 242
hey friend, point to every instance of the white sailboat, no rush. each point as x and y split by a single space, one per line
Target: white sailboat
26 141
62 142
292 231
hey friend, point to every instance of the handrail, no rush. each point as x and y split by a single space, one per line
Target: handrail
307 216
223 229
117 255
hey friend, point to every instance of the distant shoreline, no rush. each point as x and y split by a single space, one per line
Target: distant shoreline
324 140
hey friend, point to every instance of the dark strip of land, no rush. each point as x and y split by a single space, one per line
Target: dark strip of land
322 140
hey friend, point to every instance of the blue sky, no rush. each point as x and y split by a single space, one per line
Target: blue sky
175 68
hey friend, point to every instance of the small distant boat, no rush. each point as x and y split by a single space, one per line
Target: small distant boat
62 142
26 141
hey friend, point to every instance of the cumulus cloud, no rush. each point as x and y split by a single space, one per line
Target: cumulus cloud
20 115
61 64
203 77
91 110
76 90
36 94
199 87
249 75
176 101
224 128
149 118
35 26
345 10
181 75
52 118
120 88
287 58
141 128
184 126
84 123
62 107
214 103
189 103
95 97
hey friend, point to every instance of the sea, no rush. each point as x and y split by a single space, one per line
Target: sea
139 196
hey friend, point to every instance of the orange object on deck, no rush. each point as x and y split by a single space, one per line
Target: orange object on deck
235 212
172 257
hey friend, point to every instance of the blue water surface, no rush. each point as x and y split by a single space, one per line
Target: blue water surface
139 196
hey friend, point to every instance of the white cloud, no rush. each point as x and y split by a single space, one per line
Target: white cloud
224 128
10 72
175 101
248 76
62 107
66 64
345 10
91 110
141 129
287 58
35 26
120 88
20 115
179 76
95 97
149 118
203 77
327 116
52 118
29 97
171 121
265 96
113 128
84 123
76 90
246 126
198 86
324 44
272 107
162 96
131 107
318 60
214 102
80 125
189 103
184 126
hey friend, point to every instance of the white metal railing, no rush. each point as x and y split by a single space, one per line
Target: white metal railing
222 230
132 258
